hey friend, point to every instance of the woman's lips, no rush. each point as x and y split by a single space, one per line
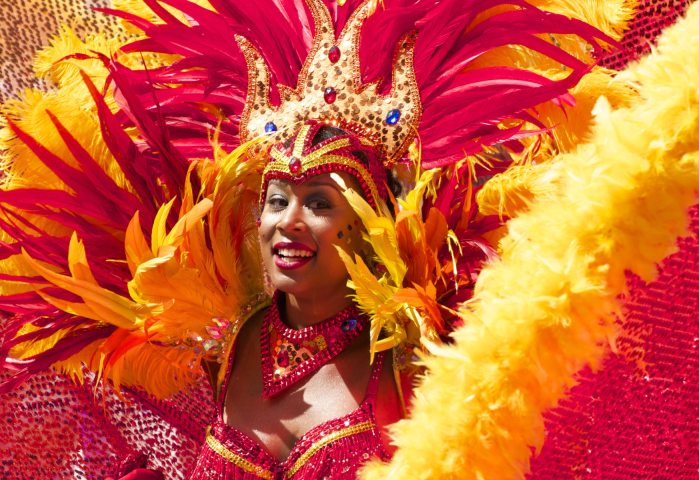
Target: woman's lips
291 255
290 263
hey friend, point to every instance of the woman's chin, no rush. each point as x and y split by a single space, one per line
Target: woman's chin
302 283
292 281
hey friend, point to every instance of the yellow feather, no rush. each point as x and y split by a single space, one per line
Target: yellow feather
513 191
29 349
159 226
137 250
186 222
79 309
112 307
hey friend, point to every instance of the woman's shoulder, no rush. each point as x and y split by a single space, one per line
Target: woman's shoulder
216 372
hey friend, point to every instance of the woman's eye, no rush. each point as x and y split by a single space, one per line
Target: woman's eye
277 202
318 205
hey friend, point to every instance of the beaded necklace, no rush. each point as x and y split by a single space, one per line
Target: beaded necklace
289 355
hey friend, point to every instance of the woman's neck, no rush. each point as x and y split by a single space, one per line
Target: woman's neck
301 312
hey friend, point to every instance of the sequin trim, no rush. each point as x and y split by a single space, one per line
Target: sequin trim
301 141
333 437
344 142
220 449
334 341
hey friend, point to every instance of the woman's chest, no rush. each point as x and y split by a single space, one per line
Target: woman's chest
278 422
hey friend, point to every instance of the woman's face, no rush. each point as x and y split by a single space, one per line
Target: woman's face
300 226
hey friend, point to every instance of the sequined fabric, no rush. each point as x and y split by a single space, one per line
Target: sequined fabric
638 417
290 355
54 428
332 450
27 26
651 18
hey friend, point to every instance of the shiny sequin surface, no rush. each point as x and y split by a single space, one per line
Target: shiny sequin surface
53 428
638 417
28 25
651 18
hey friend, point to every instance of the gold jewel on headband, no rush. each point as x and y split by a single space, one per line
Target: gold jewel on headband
329 88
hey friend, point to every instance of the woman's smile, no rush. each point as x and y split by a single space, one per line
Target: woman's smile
292 255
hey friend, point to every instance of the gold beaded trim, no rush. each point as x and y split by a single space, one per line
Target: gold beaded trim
342 143
301 140
333 437
278 156
281 164
281 157
219 448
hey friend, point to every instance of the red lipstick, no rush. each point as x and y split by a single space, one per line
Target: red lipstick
292 255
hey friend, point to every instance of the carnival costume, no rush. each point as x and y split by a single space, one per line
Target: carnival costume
129 226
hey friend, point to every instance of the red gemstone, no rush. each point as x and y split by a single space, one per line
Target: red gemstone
330 95
294 165
283 359
334 54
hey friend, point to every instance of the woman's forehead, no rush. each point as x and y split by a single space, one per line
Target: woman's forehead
320 180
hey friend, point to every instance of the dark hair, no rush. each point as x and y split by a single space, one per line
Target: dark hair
326 132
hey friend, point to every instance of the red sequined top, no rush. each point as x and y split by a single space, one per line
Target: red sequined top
332 450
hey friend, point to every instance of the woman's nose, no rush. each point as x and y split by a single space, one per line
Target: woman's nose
292 218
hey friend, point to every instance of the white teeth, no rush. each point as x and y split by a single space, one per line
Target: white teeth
288 252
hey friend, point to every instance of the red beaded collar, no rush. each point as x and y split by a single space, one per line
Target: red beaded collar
289 355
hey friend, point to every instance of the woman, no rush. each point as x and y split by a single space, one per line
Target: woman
309 378
273 420
338 408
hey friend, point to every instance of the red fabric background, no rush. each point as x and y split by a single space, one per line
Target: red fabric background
52 428
638 418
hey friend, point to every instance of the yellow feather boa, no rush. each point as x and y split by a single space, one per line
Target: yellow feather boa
547 309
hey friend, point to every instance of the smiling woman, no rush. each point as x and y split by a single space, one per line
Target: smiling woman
301 224
314 342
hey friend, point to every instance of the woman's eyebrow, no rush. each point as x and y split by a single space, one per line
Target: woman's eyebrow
322 183
280 182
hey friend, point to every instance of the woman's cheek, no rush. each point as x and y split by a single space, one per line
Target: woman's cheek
347 238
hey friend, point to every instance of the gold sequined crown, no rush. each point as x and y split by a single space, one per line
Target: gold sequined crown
330 88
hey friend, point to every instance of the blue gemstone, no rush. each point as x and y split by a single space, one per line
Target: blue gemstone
340 235
348 325
349 227
393 116
270 128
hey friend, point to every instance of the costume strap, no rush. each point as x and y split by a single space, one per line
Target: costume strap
375 376
228 355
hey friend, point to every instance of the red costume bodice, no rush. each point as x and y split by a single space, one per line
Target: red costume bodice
334 449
